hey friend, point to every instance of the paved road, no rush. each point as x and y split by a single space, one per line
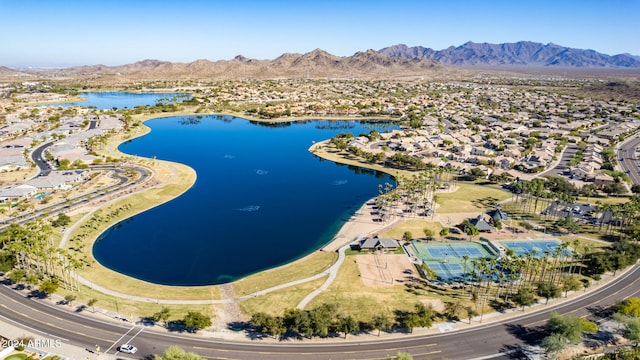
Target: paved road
39 160
628 161
124 182
493 340
566 156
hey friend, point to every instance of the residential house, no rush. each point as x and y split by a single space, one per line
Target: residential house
602 180
18 192
504 163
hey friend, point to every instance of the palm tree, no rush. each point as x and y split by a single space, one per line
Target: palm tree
558 253
576 245
482 272
536 190
492 270
501 278
465 258
471 312
545 262
517 274
535 269
474 274
585 250
529 256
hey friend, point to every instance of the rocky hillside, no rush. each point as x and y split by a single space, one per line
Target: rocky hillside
522 53
5 72
315 64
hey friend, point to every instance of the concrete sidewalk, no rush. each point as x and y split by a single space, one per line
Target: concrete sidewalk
65 350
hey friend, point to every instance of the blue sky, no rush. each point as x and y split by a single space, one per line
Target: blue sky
61 33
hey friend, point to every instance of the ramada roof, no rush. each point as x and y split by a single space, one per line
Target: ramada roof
481 224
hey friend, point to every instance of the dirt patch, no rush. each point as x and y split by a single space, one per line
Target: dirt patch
454 219
436 304
379 269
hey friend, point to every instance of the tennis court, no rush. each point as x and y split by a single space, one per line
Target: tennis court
447 261
448 272
427 252
534 247
455 252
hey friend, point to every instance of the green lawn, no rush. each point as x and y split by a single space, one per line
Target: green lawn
363 302
275 303
470 198
604 200
415 227
139 308
310 265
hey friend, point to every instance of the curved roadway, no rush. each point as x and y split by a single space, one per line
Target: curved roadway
123 183
495 340
627 159
491 340
38 158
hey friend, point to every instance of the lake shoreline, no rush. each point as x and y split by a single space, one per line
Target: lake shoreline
343 230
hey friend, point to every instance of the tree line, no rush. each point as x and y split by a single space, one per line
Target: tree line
326 319
563 331
28 254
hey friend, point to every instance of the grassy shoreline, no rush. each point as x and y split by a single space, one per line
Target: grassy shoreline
306 266
174 179
172 185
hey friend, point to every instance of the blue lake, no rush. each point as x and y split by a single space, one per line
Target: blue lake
116 99
260 199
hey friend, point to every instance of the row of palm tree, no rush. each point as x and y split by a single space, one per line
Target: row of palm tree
409 195
502 279
37 258
555 194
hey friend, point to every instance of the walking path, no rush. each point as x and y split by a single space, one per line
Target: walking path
68 351
361 223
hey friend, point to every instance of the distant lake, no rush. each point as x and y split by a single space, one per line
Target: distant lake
116 99
260 200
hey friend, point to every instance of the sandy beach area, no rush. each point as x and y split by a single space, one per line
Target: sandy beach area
362 222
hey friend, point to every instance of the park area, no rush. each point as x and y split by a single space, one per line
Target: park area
535 248
380 269
447 260
451 261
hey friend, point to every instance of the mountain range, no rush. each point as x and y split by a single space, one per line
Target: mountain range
522 53
315 64
398 61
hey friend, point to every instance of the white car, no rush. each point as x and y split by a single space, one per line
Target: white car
129 349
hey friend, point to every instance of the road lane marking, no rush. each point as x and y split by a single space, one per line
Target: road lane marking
134 336
42 322
117 341
71 321
48 314
404 348
32 329
431 352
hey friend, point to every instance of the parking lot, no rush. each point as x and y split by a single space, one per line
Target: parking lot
583 213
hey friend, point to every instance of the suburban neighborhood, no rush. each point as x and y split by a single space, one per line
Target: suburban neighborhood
522 157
